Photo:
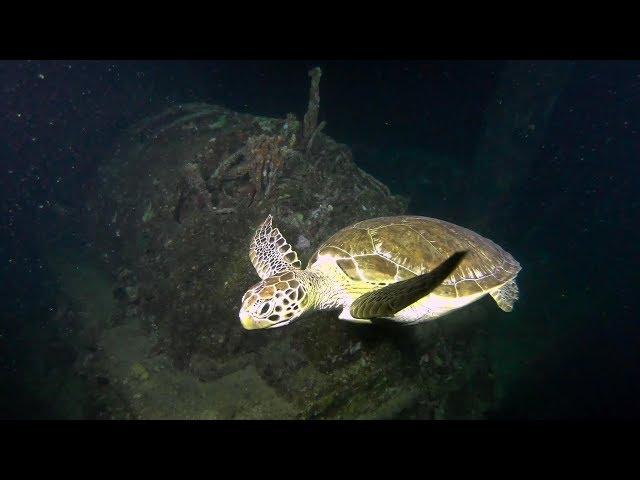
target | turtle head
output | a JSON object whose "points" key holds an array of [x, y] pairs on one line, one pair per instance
{"points": [[274, 302]]}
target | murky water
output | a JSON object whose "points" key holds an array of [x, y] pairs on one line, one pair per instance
{"points": [[131, 192]]}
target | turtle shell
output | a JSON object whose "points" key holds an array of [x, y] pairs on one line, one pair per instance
{"points": [[384, 250]]}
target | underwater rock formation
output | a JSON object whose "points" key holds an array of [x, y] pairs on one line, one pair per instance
{"points": [[177, 207]]}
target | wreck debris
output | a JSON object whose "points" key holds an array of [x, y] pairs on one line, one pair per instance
{"points": [[374, 182], [266, 157], [313, 137], [155, 126], [194, 180], [311, 117], [253, 169], [260, 161], [291, 128], [223, 211], [219, 174], [192, 186]]}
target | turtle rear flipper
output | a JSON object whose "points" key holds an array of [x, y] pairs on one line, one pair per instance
{"points": [[506, 295], [389, 300]]}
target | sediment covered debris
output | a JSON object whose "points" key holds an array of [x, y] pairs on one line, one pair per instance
{"points": [[178, 204]]}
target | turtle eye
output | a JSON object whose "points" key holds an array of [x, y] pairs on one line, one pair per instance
{"points": [[264, 309]]}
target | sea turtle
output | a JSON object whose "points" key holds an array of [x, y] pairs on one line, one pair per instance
{"points": [[408, 269]]}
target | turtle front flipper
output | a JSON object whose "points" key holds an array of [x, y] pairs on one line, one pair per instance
{"points": [[270, 253], [389, 300]]}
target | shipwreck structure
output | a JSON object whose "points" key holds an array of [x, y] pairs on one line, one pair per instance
{"points": [[177, 206]]}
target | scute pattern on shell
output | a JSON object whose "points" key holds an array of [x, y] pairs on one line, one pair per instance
{"points": [[388, 249], [268, 260]]}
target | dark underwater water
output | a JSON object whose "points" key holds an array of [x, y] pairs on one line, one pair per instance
{"points": [[542, 157]]}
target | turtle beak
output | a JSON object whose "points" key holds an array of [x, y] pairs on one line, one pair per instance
{"points": [[247, 322], [279, 324]]}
